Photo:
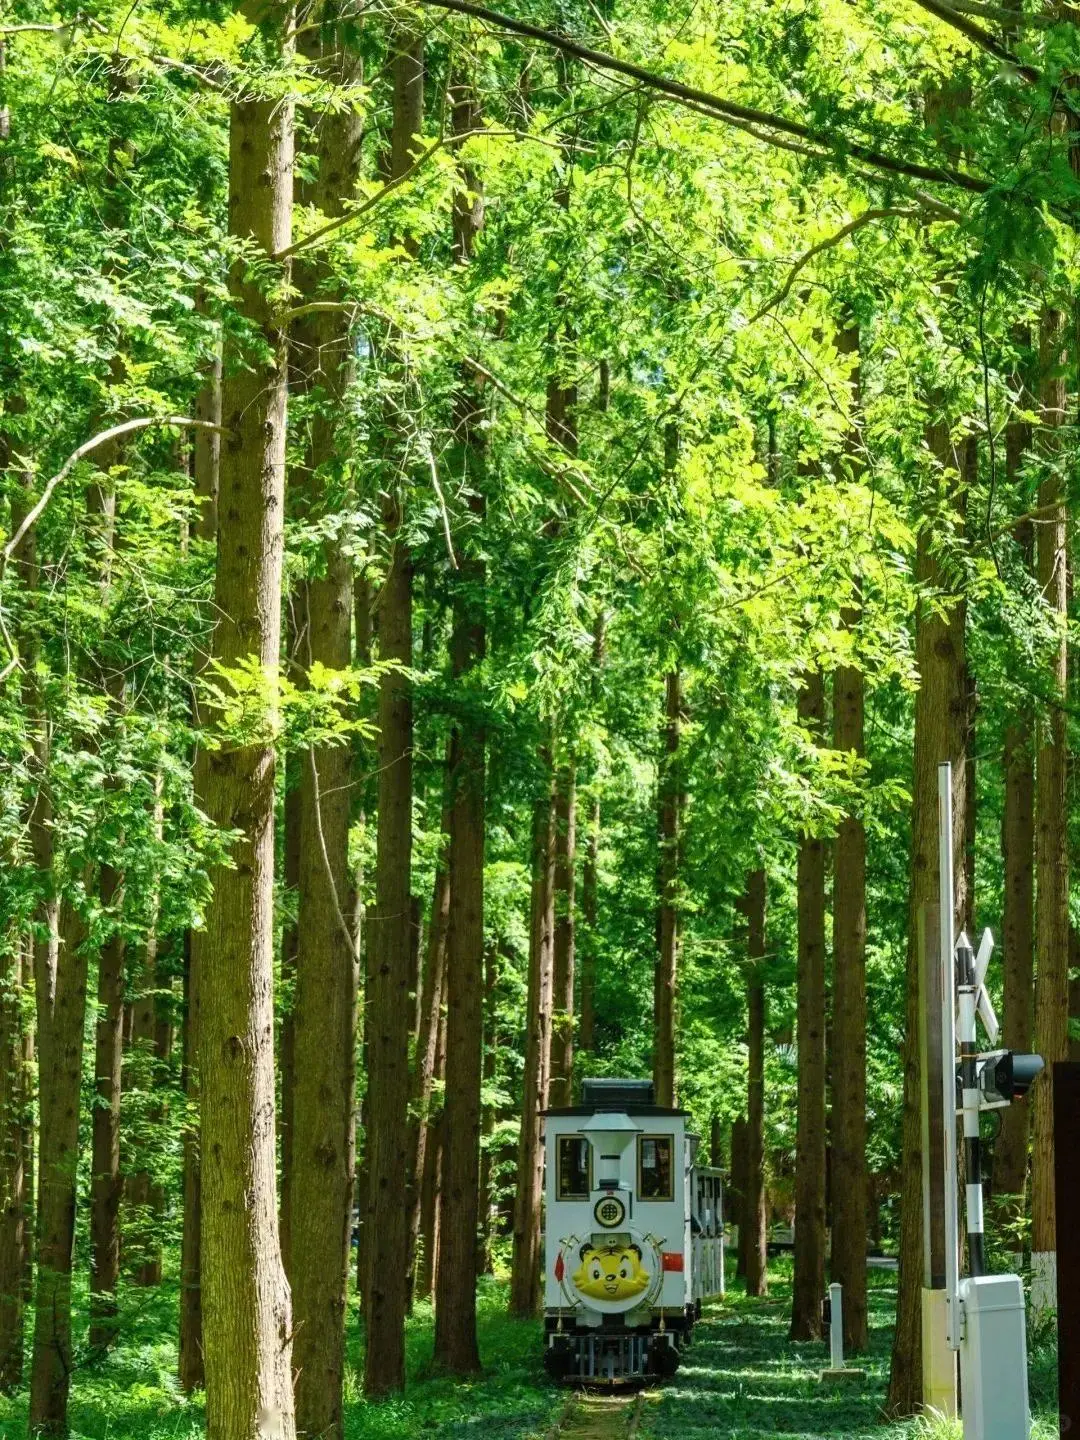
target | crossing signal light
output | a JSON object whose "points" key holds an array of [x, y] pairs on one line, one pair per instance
{"points": [[1005, 1076]]}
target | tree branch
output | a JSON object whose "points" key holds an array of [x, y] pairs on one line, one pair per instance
{"points": [[990, 43], [728, 110], [827, 244], [444, 142], [126, 427]]}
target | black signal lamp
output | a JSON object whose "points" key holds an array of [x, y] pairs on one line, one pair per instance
{"points": [[1005, 1076]]}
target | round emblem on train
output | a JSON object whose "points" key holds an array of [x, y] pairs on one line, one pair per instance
{"points": [[610, 1212]]}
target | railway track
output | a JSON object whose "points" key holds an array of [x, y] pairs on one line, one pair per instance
{"points": [[601, 1417]]}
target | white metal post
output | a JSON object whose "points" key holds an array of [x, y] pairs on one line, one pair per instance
{"points": [[836, 1326], [948, 1051]]}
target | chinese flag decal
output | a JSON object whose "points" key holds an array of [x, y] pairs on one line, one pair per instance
{"points": [[560, 1268], [672, 1260]]}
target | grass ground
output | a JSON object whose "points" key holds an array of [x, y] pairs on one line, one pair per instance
{"points": [[741, 1380]]}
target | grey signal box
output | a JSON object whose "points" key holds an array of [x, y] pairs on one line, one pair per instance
{"points": [[993, 1358]]}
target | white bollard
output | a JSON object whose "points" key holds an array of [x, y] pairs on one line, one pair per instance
{"points": [[838, 1372], [836, 1326]]}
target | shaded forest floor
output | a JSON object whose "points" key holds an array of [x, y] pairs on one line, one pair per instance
{"points": [[740, 1380]]}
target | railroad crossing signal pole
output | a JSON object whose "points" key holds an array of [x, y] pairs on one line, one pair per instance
{"points": [[983, 1314]]}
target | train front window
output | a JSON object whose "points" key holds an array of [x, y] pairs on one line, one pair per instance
{"points": [[573, 1167], [655, 1176]]}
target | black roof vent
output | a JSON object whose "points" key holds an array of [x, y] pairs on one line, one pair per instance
{"points": [[609, 1094]]}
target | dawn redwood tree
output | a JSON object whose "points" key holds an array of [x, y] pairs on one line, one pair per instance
{"points": [[456, 1344], [432, 996], [849, 1190], [59, 977], [528, 1194], [752, 1232], [561, 427], [290, 939], [388, 1012], [322, 1122], [427, 1260], [941, 727], [809, 1276], [1010, 1165], [61, 994], [106, 1181], [13, 1236], [1018, 954], [562, 1018], [149, 1051], [669, 804], [247, 1320], [206, 459], [736, 1190], [485, 1260], [14, 1191], [590, 880], [1051, 811], [847, 1261]]}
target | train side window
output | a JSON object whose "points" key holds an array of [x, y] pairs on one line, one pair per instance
{"points": [[573, 1168], [655, 1171]]}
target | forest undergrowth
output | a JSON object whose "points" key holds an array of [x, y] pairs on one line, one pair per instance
{"points": [[741, 1379]]}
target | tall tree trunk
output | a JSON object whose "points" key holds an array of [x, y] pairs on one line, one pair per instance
{"points": [[322, 1122], [148, 1057], [190, 1368], [562, 1018], [847, 1047], [809, 1281], [589, 876], [59, 978], [247, 1321], [485, 1260], [1010, 1161], [61, 1001], [665, 989], [736, 1193], [456, 1343], [290, 942], [106, 1182], [1051, 811], [427, 1265], [14, 1067], [1018, 937], [60, 973], [387, 1007], [13, 1234], [941, 722], [432, 995], [29, 1148], [752, 1232], [525, 1258], [849, 1199]]}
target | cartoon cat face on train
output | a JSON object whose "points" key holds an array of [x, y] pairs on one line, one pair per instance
{"points": [[611, 1272]]}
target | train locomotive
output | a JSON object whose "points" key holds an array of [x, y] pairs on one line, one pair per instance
{"points": [[634, 1238]]}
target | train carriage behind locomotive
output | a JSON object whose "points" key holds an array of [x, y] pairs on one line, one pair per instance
{"points": [[634, 1235]]}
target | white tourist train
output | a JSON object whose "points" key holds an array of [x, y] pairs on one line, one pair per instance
{"points": [[634, 1236]]}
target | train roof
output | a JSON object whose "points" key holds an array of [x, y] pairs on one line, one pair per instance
{"points": [[607, 1094], [608, 1107]]}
